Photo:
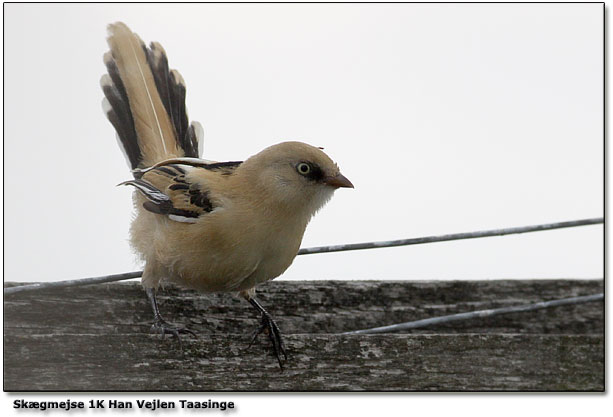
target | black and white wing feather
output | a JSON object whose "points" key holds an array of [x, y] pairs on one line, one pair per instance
{"points": [[169, 192]]}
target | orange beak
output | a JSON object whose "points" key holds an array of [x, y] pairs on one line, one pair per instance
{"points": [[339, 181]]}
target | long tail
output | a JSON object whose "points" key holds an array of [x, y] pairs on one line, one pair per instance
{"points": [[145, 101]]}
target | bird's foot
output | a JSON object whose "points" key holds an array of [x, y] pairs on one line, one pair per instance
{"points": [[269, 327], [161, 327]]}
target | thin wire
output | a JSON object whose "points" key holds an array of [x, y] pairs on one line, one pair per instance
{"points": [[72, 282], [456, 236], [331, 248], [419, 324]]}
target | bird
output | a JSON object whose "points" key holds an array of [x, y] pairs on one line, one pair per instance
{"points": [[201, 224]]}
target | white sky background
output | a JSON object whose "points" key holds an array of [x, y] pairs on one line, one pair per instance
{"points": [[447, 118]]}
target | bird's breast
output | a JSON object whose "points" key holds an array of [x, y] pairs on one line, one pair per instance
{"points": [[235, 253]]}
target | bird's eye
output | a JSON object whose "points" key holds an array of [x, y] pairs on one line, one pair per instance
{"points": [[303, 168]]}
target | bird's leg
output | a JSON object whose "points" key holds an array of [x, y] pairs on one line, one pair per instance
{"points": [[160, 325], [268, 326]]}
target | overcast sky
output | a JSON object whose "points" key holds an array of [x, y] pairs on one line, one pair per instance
{"points": [[447, 118]]}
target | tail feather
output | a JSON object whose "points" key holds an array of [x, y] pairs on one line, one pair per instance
{"points": [[145, 101], [170, 88], [194, 141]]}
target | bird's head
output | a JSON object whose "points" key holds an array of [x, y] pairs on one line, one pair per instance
{"points": [[297, 175]]}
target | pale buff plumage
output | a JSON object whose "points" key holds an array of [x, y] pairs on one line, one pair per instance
{"points": [[205, 225], [254, 234]]}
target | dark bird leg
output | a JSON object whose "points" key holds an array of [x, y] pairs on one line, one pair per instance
{"points": [[269, 327], [160, 325]]}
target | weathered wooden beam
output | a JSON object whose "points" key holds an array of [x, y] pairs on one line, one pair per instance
{"points": [[317, 362], [95, 338]]}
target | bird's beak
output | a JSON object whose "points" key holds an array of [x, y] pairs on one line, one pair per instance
{"points": [[338, 181]]}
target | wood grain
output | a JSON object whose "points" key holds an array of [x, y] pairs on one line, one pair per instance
{"points": [[95, 338]]}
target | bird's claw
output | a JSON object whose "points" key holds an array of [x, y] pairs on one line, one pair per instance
{"points": [[163, 328], [269, 327]]}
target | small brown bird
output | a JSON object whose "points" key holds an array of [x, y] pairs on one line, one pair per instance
{"points": [[210, 226]]}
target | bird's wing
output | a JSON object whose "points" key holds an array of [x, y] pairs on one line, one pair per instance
{"points": [[171, 191]]}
